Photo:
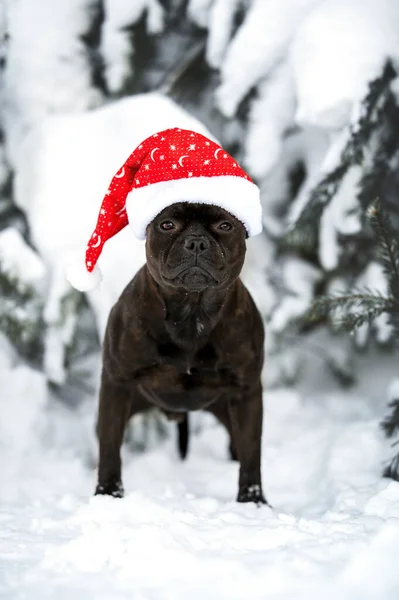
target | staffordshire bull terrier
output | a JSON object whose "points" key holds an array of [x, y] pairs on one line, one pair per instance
{"points": [[185, 333]]}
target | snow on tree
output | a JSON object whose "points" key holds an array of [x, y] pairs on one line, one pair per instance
{"points": [[319, 151], [61, 200], [375, 303], [305, 94], [22, 275], [47, 67], [117, 39], [320, 95], [259, 44]]}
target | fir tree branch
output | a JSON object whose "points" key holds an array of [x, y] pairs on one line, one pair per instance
{"points": [[375, 176], [387, 245], [173, 77], [353, 320], [365, 306], [382, 227], [10, 286], [324, 306], [20, 310], [390, 425], [353, 153]]}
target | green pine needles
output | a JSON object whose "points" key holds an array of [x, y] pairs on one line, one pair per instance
{"points": [[20, 310], [379, 112], [364, 306], [349, 311]]}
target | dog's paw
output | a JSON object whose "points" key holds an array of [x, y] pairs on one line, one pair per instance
{"points": [[251, 493], [114, 489]]}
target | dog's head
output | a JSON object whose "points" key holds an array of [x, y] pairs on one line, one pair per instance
{"points": [[195, 246]]}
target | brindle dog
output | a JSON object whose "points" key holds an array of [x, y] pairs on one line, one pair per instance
{"points": [[186, 335]]}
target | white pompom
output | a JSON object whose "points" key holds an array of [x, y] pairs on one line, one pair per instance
{"points": [[81, 279]]}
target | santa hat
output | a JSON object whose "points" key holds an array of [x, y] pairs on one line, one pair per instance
{"points": [[175, 165]]}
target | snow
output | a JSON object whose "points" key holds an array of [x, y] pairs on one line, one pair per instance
{"points": [[271, 114], [198, 11], [332, 532], [300, 279], [220, 29], [117, 45], [373, 277], [64, 167], [341, 217], [89, 149], [47, 67], [259, 44], [326, 50], [333, 529], [316, 37], [18, 260], [308, 64]]}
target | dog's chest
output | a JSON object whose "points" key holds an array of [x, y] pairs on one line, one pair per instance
{"points": [[188, 360], [187, 331], [187, 390]]}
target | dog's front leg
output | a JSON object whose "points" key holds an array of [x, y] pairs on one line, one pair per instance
{"points": [[114, 412], [246, 423]]}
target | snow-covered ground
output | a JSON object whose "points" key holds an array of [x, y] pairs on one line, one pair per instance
{"points": [[333, 530]]}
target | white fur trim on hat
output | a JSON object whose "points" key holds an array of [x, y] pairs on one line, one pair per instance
{"points": [[239, 196], [82, 279]]}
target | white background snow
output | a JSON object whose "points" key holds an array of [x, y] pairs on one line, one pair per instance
{"points": [[333, 529]]}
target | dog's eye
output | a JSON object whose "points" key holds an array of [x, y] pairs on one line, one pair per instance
{"points": [[167, 225], [226, 226]]}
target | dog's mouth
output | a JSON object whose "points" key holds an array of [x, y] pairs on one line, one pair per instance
{"points": [[197, 277], [194, 278]]}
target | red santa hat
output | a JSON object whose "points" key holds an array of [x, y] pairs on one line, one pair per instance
{"points": [[175, 165]]}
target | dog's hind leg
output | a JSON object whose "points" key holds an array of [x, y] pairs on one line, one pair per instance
{"points": [[183, 435], [183, 430]]}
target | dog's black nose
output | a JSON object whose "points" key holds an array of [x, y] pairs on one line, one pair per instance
{"points": [[196, 244]]}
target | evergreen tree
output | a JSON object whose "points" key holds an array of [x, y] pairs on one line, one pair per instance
{"points": [[318, 157], [371, 150], [21, 295], [364, 306]]}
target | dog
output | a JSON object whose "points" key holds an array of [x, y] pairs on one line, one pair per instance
{"points": [[185, 335]]}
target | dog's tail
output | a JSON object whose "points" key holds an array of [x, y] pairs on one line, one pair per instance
{"points": [[183, 434]]}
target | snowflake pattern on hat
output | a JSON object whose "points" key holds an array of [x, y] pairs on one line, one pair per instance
{"points": [[175, 165]]}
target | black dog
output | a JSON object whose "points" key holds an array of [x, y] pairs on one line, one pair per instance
{"points": [[186, 335]]}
